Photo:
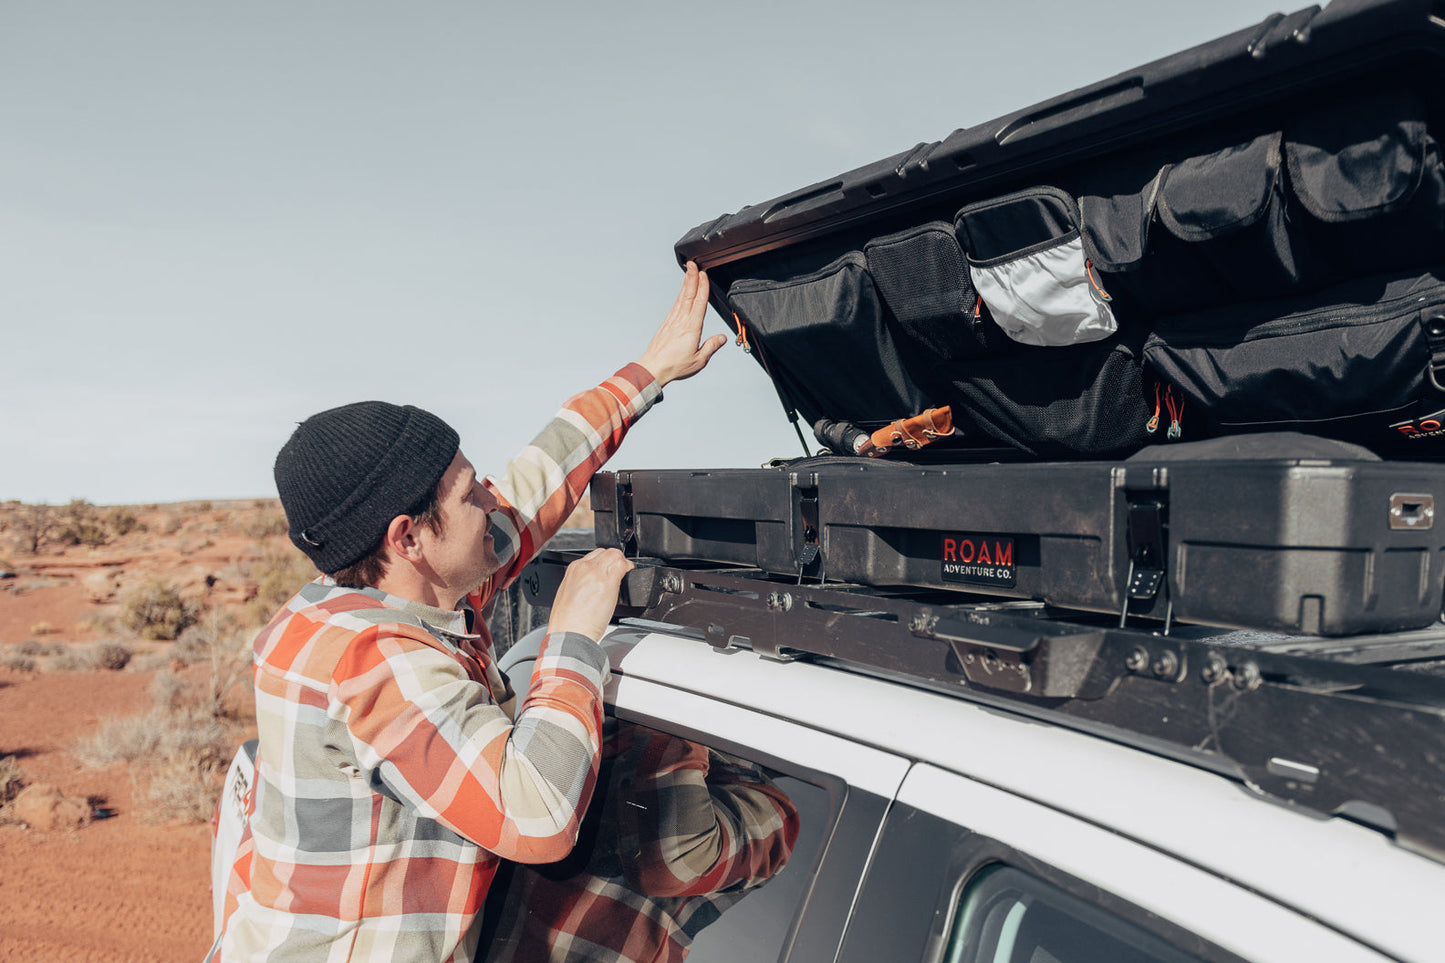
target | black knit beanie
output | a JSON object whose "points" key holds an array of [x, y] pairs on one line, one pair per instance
{"points": [[347, 472]]}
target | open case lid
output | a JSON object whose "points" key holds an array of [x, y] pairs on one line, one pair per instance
{"points": [[863, 354], [1259, 67]]}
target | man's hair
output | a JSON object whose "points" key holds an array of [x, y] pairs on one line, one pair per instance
{"points": [[371, 568]]}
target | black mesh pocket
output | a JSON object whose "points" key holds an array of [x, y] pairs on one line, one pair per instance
{"points": [[1077, 401], [922, 276], [822, 338]]}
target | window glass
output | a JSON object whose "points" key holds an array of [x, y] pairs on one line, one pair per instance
{"points": [[687, 852], [1006, 916]]}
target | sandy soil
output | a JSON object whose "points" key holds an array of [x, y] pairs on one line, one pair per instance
{"points": [[123, 887]]}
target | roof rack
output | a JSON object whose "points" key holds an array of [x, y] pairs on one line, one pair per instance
{"points": [[1350, 727]]}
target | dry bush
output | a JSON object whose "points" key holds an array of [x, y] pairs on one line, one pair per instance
{"points": [[265, 525], [17, 661], [94, 657], [81, 524], [41, 628], [77, 658], [279, 573], [123, 521], [156, 610], [183, 790], [36, 647], [12, 780], [222, 646], [177, 756], [160, 734], [113, 656], [31, 525]]}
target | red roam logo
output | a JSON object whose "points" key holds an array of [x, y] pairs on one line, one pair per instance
{"points": [[978, 559], [1430, 426]]}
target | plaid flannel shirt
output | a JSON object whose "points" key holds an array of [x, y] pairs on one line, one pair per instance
{"points": [[389, 780], [684, 834]]}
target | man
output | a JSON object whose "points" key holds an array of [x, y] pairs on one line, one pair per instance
{"points": [[391, 777]]}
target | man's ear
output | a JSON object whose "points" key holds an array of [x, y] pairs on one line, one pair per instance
{"points": [[401, 539]]}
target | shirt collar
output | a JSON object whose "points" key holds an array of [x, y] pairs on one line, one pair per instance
{"points": [[449, 625]]}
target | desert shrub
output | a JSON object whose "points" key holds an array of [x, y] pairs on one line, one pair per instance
{"points": [[156, 610], [170, 691], [265, 525], [219, 644], [12, 780], [279, 572], [177, 755], [17, 661], [41, 628], [77, 658], [150, 661], [32, 526], [183, 789], [34, 647], [123, 521], [82, 524], [113, 656]]}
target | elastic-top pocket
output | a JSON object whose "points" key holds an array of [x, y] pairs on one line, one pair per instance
{"points": [[822, 338], [1026, 257], [1080, 401], [1226, 211], [923, 278], [1368, 179], [1344, 362]]}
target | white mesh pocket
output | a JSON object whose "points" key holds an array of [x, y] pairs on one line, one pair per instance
{"points": [[1026, 259]]}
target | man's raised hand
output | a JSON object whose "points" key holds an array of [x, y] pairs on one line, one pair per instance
{"points": [[677, 350]]}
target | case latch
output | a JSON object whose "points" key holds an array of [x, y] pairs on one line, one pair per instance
{"points": [[1146, 540]]}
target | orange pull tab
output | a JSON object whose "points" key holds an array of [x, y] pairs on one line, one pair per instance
{"points": [[742, 340], [1089, 270]]}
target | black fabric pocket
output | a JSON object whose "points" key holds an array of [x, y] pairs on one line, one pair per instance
{"points": [[1369, 185], [823, 339], [922, 276], [1345, 362], [1224, 215], [1349, 190], [1026, 258], [1080, 401]]}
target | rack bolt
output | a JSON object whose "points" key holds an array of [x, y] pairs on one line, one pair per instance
{"points": [[1137, 660], [1167, 665], [1247, 677], [672, 583], [1214, 669]]}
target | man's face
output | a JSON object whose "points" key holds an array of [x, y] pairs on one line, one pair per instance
{"points": [[462, 555]]}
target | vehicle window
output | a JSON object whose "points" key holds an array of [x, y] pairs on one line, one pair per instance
{"points": [[686, 852], [1007, 916]]}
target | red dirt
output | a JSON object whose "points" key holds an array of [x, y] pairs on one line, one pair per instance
{"points": [[121, 888], [118, 889]]}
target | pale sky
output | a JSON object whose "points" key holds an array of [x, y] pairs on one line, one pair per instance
{"points": [[219, 218]]}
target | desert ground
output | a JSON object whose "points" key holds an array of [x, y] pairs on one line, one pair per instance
{"points": [[124, 689]]}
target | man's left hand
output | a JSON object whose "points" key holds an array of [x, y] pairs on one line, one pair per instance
{"points": [[676, 350]]}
